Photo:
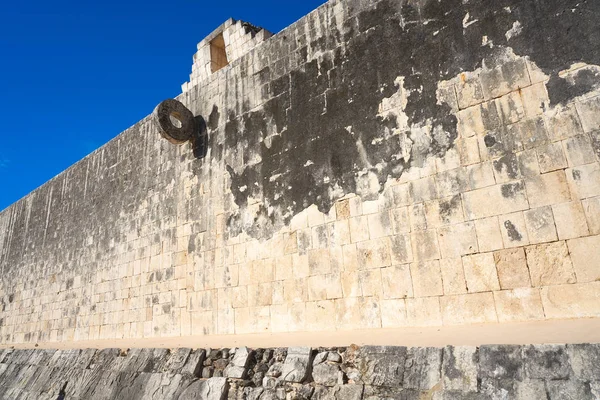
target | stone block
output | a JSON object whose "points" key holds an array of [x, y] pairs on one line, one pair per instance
{"points": [[297, 364], [572, 301], [563, 123], [374, 253], [511, 266], [453, 277], [468, 149], [427, 279], [472, 308], [501, 362], [513, 229], [425, 245], [505, 78], [381, 365], [460, 368], [357, 313], [444, 211], [209, 389], [540, 225], [550, 264], [591, 208], [584, 180], [589, 113], [457, 240], [510, 107], [359, 229], [423, 189], [585, 361], [559, 390], [418, 217], [507, 198], [401, 249], [422, 368], [324, 372], [480, 273], [528, 163], [570, 220], [522, 304], [424, 311], [585, 255], [469, 90], [393, 313], [397, 282], [370, 282], [548, 189], [535, 99], [546, 361], [551, 157], [489, 237], [452, 182], [400, 220], [506, 168], [579, 150], [380, 224]]}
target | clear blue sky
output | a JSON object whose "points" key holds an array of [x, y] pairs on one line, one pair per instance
{"points": [[74, 74]]}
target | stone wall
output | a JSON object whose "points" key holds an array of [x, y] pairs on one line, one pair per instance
{"points": [[553, 372], [377, 164]]}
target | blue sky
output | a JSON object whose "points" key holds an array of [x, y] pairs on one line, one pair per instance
{"points": [[74, 74]]}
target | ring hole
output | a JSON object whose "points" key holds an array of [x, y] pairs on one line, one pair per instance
{"points": [[175, 118]]}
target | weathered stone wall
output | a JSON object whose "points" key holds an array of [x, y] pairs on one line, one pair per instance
{"points": [[552, 372], [376, 164]]}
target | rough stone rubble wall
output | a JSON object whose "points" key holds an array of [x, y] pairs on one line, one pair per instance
{"points": [[553, 372], [375, 165]]}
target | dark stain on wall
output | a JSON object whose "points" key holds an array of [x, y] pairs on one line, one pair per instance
{"points": [[313, 152]]}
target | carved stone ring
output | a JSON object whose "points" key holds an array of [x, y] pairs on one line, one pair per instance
{"points": [[175, 122]]}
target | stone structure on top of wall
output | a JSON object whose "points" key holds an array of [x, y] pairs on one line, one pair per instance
{"points": [[377, 164]]}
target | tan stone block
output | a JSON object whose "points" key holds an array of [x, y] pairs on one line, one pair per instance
{"points": [[551, 157], [584, 180], [290, 243], [506, 198], [427, 278], [396, 282], [401, 194], [350, 284], [563, 123], [450, 160], [260, 294], [535, 99], [579, 150], [572, 301], [423, 189], [319, 237], [523, 304], [585, 255], [339, 232], [284, 268], [393, 313], [315, 217], [350, 254], [374, 253], [547, 189], [589, 113], [468, 149], [359, 229], [357, 313], [370, 282], [300, 265], [511, 266], [570, 220], [469, 90], [472, 308], [540, 225], [470, 122], [342, 209], [239, 297], [511, 107], [418, 217], [336, 259], [457, 240], [318, 262], [425, 245], [549, 264], [401, 249], [423, 311], [489, 237], [480, 273], [295, 290], [321, 315], [380, 224], [400, 220], [444, 211], [514, 231], [591, 208], [453, 276]]}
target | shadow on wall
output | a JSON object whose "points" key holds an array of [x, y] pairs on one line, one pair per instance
{"points": [[200, 139]]}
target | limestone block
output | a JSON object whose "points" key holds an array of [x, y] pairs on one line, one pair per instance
{"points": [[501, 362], [370, 282], [472, 308], [318, 262], [550, 264], [380, 225], [418, 217], [480, 273], [584, 180], [209, 389], [511, 107], [572, 301], [425, 245], [470, 122], [374, 253], [350, 284], [423, 189], [357, 313], [422, 368], [444, 211], [585, 361], [540, 225], [427, 279], [452, 182], [532, 132], [393, 313], [400, 220], [522, 304], [585, 255], [424, 311], [359, 229], [546, 361], [579, 150], [459, 368], [505, 78], [591, 208], [468, 149], [547, 189], [457, 240], [589, 113], [401, 249], [507, 198], [570, 389], [511, 266], [238, 364], [564, 123], [469, 90], [489, 237], [528, 163], [506, 168], [380, 365], [535, 99], [551, 157], [570, 220], [396, 282], [453, 277], [514, 231]]}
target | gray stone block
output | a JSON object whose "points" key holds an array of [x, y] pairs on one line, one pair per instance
{"points": [[209, 389], [585, 361], [569, 390], [546, 361], [297, 364], [237, 368], [194, 363], [381, 365], [500, 361], [422, 368], [459, 368]]}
